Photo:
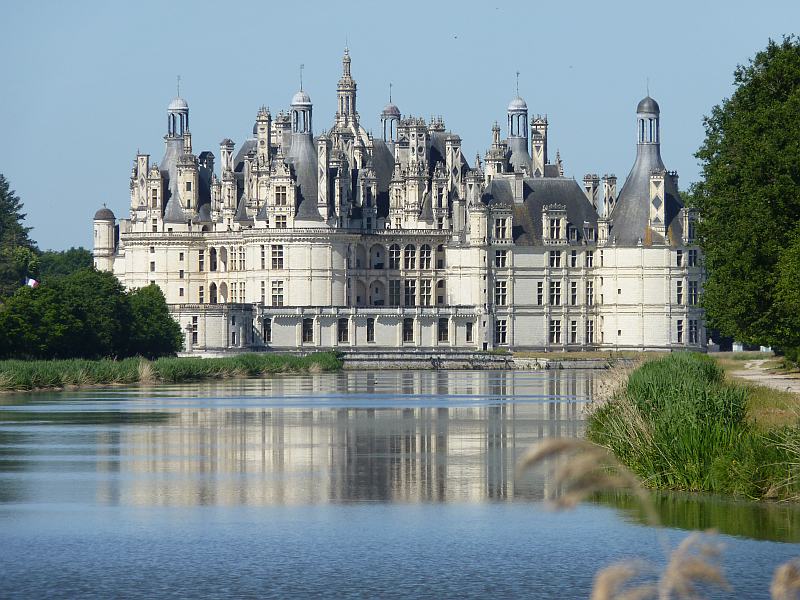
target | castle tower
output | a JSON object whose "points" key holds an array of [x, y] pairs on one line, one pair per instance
{"points": [[104, 239], [346, 95], [518, 135], [390, 119]]}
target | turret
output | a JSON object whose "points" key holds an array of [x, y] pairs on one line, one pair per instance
{"points": [[346, 95], [538, 146], [263, 135], [390, 119], [518, 135], [104, 239]]}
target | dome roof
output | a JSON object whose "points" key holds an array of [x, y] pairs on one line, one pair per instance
{"points": [[517, 104], [104, 214], [301, 98], [391, 110], [648, 105], [178, 103]]}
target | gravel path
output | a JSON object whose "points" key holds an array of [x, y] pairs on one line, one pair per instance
{"points": [[754, 371]]}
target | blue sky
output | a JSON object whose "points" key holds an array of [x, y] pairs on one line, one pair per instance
{"points": [[86, 84]]}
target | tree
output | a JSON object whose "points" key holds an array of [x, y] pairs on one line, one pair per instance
{"points": [[17, 250], [153, 332], [749, 200], [54, 263]]}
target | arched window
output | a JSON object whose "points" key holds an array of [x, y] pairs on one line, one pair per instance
{"points": [[425, 257], [410, 257], [440, 257], [212, 293], [394, 256], [213, 262]]}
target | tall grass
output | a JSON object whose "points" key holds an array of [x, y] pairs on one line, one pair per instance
{"points": [[678, 424], [36, 374]]}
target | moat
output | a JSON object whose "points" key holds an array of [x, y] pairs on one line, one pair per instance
{"points": [[353, 484]]}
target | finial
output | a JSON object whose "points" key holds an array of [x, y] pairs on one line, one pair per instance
{"points": [[390, 92], [517, 83], [648, 86], [302, 66], [179, 86]]}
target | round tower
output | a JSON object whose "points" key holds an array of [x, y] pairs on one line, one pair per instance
{"points": [[648, 115], [177, 117], [301, 112], [104, 239], [390, 119]]}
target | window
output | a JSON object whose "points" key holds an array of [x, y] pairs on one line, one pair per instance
{"points": [[234, 297], [394, 256], [692, 258], [691, 232], [201, 295], [555, 293], [242, 297], [590, 234], [194, 331], [188, 186], [425, 257], [410, 257], [201, 260], [212, 259], [680, 331], [500, 229], [589, 259], [601, 258], [555, 331], [572, 233], [692, 293], [180, 292], [440, 256], [308, 331], [180, 256], [555, 229], [500, 331], [152, 249], [154, 197], [470, 325], [241, 259], [693, 337], [539, 292], [394, 292], [277, 293], [280, 222], [573, 332], [263, 293], [573, 258], [152, 266], [679, 294], [410, 289], [155, 225], [370, 329], [678, 258], [573, 293], [555, 258], [501, 258], [425, 292], [500, 292], [267, 331], [590, 332], [277, 256], [589, 293], [408, 330], [280, 195], [342, 330], [180, 274], [443, 330]]}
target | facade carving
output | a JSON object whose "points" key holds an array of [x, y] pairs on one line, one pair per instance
{"points": [[342, 239]]}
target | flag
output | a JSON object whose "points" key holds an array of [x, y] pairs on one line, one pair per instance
{"points": [[32, 283]]}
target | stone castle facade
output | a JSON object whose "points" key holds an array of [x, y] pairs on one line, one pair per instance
{"points": [[345, 240]]}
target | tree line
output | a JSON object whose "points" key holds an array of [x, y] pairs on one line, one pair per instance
{"points": [[74, 311]]}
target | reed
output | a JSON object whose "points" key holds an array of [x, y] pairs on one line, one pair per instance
{"points": [[20, 375]]}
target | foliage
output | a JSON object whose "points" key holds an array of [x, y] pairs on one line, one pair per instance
{"points": [[55, 263], [679, 425], [153, 332], [33, 374], [86, 315], [17, 250], [749, 201]]}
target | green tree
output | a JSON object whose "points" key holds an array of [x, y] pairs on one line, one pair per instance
{"points": [[17, 250], [749, 198], [153, 332], [54, 263]]}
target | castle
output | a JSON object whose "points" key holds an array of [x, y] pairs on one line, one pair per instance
{"points": [[345, 240]]}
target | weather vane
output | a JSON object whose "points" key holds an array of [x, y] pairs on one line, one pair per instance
{"points": [[517, 83], [179, 85], [390, 92], [302, 66]]}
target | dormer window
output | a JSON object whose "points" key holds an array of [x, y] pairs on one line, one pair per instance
{"points": [[500, 229], [280, 195], [555, 229]]}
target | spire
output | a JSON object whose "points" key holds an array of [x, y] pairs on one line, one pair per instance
{"points": [[302, 66], [346, 62]]}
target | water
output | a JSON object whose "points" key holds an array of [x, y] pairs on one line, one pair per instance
{"points": [[360, 485]]}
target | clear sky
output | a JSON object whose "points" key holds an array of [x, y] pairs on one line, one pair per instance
{"points": [[86, 84]]}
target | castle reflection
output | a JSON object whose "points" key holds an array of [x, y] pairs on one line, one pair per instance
{"points": [[422, 436]]}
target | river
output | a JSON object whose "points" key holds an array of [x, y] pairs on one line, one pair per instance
{"points": [[391, 484]]}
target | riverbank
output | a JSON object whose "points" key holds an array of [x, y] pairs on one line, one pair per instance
{"points": [[679, 423], [25, 375]]}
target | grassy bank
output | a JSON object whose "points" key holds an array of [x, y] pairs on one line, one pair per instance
{"points": [[679, 424], [38, 374]]}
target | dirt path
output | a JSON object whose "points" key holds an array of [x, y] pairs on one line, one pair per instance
{"points": [[754, 371]]}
